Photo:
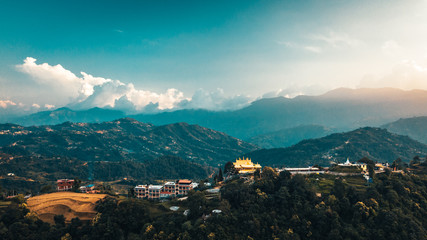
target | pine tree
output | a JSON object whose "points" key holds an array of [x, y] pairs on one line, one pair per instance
{"points": [[220, 177]]}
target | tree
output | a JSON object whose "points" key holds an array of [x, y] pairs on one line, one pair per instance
{"points": [[131, 192], [220, 177], [59, 220], [414, 161], [229, 168], [398, 164], [76, 185], [338, 189], [47, 189]]}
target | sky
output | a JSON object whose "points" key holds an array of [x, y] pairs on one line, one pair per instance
{"points": [[146, 56]]}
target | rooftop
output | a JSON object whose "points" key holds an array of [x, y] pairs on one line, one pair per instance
{"points": [[155, 187], [185, 181], [64, 180]]}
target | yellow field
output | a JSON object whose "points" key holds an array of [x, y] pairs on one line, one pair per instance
{"points": [[69, 204]]}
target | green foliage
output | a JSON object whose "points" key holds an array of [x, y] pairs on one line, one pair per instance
{"points": [[374, 143], [47, 171], [276, 206], [122, 140]]}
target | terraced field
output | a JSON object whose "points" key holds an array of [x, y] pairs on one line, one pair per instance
{"points": [[69, 204]]}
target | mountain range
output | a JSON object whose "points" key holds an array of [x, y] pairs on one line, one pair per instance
{"points": [[375, 143], [122, 140], [340, 109]]}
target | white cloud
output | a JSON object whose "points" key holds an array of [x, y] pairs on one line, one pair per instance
{"points": [[215, 100], [337, 40], [49, 106], [309, 48], [406, 75], [89, 91], [313, 49], [62, 81], [6, 103]]}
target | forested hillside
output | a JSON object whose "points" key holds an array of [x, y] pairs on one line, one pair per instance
{"points": [[275, 206], [122, 140], [32, 173], [374, 143]]}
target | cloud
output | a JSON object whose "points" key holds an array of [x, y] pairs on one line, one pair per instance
{"points": [[296, 90], [215, 100], [62, 81], [88, 91], [11, 108], [313, 49], [337, 40], [406, 75], [49, 106], [309, 48], [6, 103]]}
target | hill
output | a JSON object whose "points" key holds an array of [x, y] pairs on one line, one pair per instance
{"points": [[272, 206], [121, 140], [413, 127], [374, 143], [32, 173], [289, 136], [69, 204]]}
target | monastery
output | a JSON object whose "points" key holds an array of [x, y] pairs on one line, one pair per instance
{"points": [[245, 165]]}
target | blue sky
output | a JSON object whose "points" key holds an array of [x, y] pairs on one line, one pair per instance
{"points": [[203, 54]]}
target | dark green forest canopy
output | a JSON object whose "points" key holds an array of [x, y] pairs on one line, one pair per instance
{"points": [[275, 206]]}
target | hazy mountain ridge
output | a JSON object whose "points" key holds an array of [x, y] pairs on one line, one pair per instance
{"points": [[341, 108], [65, 114], [415, 128], [290, 136], [121, 140], [374, 143]]}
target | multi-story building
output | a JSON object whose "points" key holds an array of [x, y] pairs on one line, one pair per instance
{"points": [[141, 191], [168, 190], [183, 186], [64, 184], [170, 187], [154, 191]]}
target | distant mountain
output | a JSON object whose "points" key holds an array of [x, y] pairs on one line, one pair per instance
{"points": [[122, 140], [290, 136], [415, 128], [61, 115], [341, 108], [375, 143]]}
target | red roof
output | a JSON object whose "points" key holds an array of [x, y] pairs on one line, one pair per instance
{"points": [[185, 181], [65, 180]]}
